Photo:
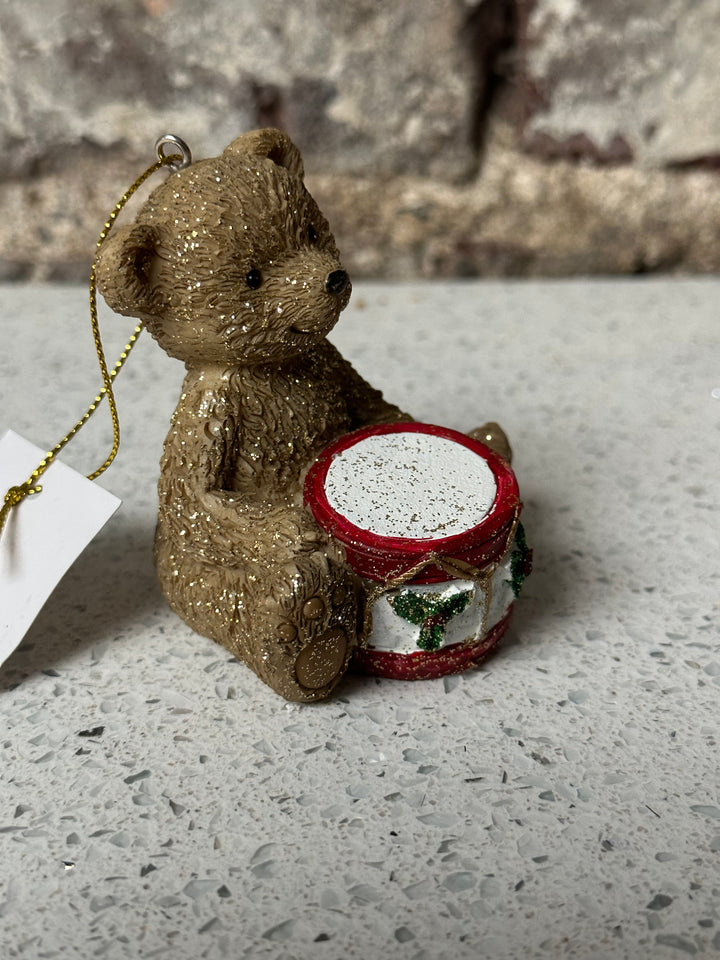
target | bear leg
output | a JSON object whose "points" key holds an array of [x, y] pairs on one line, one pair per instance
{"points": [[296, 625]]}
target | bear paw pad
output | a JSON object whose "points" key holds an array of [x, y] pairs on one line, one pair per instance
{"points": [[322, 659]]}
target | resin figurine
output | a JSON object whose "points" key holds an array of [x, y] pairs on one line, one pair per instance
{"points": [[234, 270]]}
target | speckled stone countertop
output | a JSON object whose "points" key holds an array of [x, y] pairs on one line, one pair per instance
{"points": [[562, 801]]}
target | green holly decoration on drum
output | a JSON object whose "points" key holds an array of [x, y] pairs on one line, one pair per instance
{"points": [[431, 612]]}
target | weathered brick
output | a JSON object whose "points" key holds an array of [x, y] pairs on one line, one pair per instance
{"points": [[621, 80]]}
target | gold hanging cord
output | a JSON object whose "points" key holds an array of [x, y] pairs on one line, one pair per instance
{"points": [[16, 494]]}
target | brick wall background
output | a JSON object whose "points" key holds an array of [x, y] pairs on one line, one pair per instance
{"points": [[441, 137]]}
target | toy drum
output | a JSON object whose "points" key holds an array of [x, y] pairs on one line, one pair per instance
{"points": [[428, 517]]}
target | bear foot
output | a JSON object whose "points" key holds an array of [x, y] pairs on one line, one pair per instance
{"points": [[493, 436], [308, 652]]}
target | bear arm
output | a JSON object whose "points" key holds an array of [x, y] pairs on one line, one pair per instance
{"points": [[241, 523], [222, 524], [236, 527], [365, 404]]}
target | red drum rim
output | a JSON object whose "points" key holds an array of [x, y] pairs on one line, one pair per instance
{"points": [[383, 558]]}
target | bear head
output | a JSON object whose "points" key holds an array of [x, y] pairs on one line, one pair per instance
{"points": [[229, 260]]}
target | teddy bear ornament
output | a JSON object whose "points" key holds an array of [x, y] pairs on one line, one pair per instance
{"points": [[292, 529]]}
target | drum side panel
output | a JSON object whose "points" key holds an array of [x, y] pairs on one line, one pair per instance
{"points": [[428, 666]]}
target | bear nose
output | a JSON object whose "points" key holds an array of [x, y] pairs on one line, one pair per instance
{"points": [[337, 282]]}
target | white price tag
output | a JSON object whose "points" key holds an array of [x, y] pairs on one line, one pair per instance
{"points": [[43, 535]]}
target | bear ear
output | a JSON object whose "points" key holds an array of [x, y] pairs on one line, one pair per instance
{"points": [[124, 268], [270, 143]]}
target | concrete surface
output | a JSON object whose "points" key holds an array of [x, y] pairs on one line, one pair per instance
{"points": [[562, 801]]}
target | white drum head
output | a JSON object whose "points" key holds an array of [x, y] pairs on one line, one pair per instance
{"points": [[416, 486]]}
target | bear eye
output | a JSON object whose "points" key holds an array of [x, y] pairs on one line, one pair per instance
{"points": [[311, 234], [253, 279]]}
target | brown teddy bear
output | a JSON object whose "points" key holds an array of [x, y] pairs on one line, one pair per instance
{"points": [[233, 269]]}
